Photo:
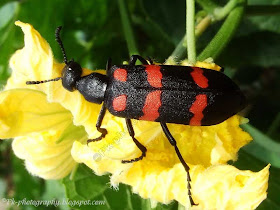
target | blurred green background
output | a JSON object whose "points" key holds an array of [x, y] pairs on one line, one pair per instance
{"points": [[93, 31]]}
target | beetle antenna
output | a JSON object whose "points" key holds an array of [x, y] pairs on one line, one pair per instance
{"points": [[59, 41], [43, 81]]}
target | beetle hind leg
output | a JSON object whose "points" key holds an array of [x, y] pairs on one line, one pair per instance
{"points": [[151, 62], [187, 168], [103, 131], [134, 58], [138, 144]]}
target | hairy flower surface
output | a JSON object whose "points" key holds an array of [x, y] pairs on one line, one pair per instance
{"points": [[50, 127]]}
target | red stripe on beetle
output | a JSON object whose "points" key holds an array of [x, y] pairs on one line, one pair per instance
{"points": [[199, 78], [197, 108], [119, 103], [151, 106], [120, 74], [154, 76]]}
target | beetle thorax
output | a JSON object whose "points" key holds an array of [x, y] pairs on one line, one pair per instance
{"points": [[93, 87]]}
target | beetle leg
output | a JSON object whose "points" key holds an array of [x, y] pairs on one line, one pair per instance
{"points": [[150, 60], [138, 144], [103, 131], [187, 168], [108, 65], [134, 58]]}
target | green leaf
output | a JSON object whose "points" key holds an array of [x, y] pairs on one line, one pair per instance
{"points": [[87, 17], [87, 186], [207, 5], [84, 181], [256, 49], [127, 29], [26, 186], [262, 147], [170, 16], [55, 190], [3, 188], [263, 10], [257, 23], [7, 13]]}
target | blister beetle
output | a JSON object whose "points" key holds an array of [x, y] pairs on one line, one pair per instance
{"points": [[161, 93]]}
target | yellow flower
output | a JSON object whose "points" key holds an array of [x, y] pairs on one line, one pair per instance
{"points": [[50, 127]]}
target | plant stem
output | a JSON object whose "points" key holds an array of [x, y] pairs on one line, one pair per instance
{"points": [[217, 12], [202, 25], [221, 13], [181, 49], [128, 32], [207, 5], [190, 31], [224, 35], [214, 13]]}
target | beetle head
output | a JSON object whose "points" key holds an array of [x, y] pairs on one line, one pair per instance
{"points": [[71, 72]]}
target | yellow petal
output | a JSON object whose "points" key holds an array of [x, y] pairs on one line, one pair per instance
{"points": [[204, 64], [26, 113], [33, 62], [84, 113], [199, 145], [23, 111], [43, 156], [102, 165], [216, 187], [225, 187]]}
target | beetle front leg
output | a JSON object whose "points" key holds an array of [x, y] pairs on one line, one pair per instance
{"points": [[134, 58], [103, 131], [187, 168], [138, 144]]}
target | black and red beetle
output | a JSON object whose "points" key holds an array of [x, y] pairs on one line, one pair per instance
{"points": [[162, 93]]}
